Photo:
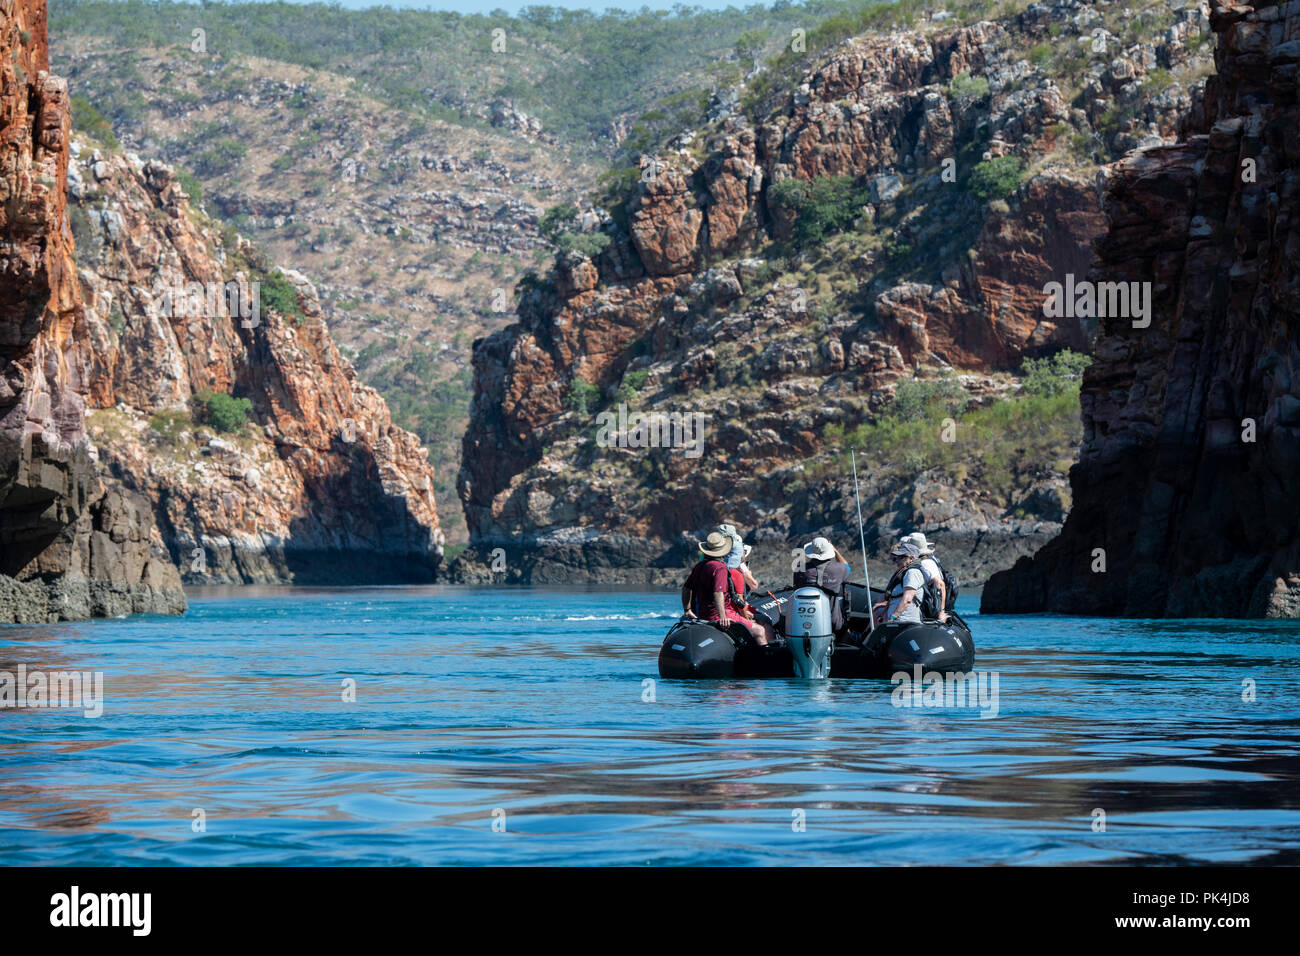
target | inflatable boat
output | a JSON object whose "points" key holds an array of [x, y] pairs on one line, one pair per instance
{"points": [[806, 647]]}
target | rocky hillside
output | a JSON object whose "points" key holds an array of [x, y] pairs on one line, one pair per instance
{"points": [[859, 261], [72, 544], [400, 157], [1185, 493], [319, 486], [415, 228]]}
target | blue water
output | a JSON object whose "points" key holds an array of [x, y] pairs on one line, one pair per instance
{"points": [[528, 708]]}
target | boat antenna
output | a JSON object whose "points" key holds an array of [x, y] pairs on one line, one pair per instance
{"points": [[862, 536]]}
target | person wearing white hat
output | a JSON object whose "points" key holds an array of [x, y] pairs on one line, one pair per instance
{"points": [[825, 568], [930, 568], [904, 587]]}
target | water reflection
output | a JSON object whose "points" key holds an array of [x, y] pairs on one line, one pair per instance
{"points": [[470, 702]]}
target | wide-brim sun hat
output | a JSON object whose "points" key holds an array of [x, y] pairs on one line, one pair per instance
{"points": [[748, 548], [819, 549], [715, 545], [917, 538]]}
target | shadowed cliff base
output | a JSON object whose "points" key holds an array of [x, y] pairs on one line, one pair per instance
{"points": [[1185, 496], [109, 562], [575, 557], [72, 545]]}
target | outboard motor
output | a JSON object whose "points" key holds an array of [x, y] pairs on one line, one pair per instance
{"points": [[809, 633]]}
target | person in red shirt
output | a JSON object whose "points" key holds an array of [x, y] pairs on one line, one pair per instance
{"points": [[714, 593]]}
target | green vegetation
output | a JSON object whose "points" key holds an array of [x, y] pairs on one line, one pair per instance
{"points": [[559, 225], [632, 383], [928, 426], [191, 186], [1055, 375], [555, 219], [434, 410], [582, 396], [88, 120], [278, 293], [169, 423], [830, 25], [915, 399], [221, 158], [821, 207], [966, 89], [575, 69], [995, 178], [749, 47], [421, 401], [223, 412]]}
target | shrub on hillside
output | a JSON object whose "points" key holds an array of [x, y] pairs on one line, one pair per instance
{"points": [[92, 122], [223, 412], [915, 398], [993, 442], [968, 89], [559, 225], [557, 220], [190, 186], [1054, 375], [278, 293], [588, 244], [582, 396], [221, 158], [995, 178], [821, 207], [632, 383]]}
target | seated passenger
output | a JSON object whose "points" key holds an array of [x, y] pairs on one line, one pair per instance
{"points": [[710, 591], [825, 568], [904, 588], [736, 557], [933, 573]]}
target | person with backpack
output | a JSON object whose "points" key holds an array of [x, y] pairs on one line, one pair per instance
{"points": [[903, 593], [710, 591], [825, 568], [939, 598]]}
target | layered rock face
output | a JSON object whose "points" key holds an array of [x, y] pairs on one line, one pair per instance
{"points": [[320, 487], [1189, 475], [71, 545], [682, 300]]}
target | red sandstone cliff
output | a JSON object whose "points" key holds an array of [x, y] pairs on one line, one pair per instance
{"points": [[70, 544], [321, 486], [1189, 477], [685, 297]]}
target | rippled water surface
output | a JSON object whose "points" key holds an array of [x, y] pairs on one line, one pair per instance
{"points": [[528, 708]]}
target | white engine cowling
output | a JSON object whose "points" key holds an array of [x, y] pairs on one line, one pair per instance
{"points": [[809, 632]]}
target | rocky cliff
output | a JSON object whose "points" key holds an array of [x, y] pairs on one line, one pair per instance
{"points": [[71, 544], [320, 486], [709, 301], [413, 230], [1185, 492]]}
